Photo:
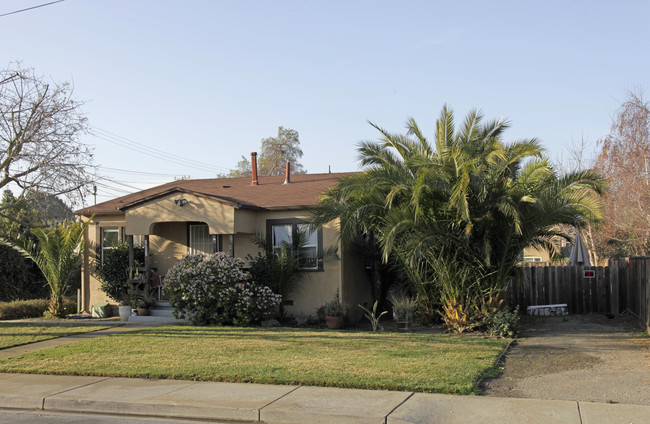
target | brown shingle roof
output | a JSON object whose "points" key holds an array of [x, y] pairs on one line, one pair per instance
{"points": [[272, 194]]}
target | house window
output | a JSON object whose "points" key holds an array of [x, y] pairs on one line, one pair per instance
{"points": [[138, 239], [200, 240], [532, 259], [110, 239], [307, 246]]}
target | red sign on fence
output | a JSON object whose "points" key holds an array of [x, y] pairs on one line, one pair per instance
{"points": [[589, 273]]}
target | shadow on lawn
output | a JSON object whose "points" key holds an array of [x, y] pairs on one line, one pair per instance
{"points": [[292, 335]]}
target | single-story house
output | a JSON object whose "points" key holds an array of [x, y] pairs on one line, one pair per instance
{"points": [[224, 214]]}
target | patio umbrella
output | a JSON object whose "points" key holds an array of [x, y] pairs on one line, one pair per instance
{"points": [[579, 254]]}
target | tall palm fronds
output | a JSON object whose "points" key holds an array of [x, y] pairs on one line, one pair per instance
{"points": [[467, 202], [57, 254]]}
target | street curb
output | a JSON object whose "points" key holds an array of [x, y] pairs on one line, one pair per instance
{"points": [[290, 404]]}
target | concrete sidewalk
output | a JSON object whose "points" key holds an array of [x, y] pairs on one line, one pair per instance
{"points": [[291, 404]]}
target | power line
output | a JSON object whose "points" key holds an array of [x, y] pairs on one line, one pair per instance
{"points": [[123, 184], [149, 153], [152, 151], [157, 183], [128, 171], [30, 8], [119, 191]]}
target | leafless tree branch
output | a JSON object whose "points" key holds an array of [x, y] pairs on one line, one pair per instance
{"points": [[40, 129]]}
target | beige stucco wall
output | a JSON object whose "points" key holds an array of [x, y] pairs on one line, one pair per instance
{"points": [[166, 223], [219, 217], [316, 287], [167, 245], [539, 253], [91, 292], [356, 285]]}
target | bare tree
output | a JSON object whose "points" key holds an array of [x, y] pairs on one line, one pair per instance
{"points": [[624, 160], [579, 159], [40, 126]]}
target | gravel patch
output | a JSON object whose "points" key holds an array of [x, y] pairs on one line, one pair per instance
{"points": [[581, 358]]}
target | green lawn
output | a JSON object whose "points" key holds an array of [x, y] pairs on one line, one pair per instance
{"points": [[393, 361], [15, 334]]}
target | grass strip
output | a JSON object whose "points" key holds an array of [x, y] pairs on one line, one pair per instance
{"points": [[16, 334], [352, 359]]}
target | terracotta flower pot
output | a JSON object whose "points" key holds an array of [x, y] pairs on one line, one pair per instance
{"points": [[333, 322], [404, 325], [143, 312]]}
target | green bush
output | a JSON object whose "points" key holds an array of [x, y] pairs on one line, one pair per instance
{"points": [[33, 308], [216, 290], [503, 323], [278, 270], [114, 271], [20, 277]]}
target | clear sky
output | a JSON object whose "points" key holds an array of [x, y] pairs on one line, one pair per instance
{"points": [[205, 81]]}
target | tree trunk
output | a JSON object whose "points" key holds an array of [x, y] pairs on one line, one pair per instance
{"points": [[56, 306], [376, 281]]}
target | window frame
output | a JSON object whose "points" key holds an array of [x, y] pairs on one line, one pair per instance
{"points": [[295, 222], [103, 247]]}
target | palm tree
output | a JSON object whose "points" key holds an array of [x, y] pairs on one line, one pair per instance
{"points": [[460, 211], [57, 253]]}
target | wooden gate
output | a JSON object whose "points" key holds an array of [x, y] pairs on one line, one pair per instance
{"points": [[621, 286]]}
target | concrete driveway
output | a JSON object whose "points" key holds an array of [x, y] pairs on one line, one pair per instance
{"points": [[581, 358]]}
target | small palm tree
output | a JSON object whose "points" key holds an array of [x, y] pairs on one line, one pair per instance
{"points": [[57, 253]]}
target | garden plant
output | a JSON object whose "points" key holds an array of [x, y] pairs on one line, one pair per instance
{"points": [[216, 290], [114, 271], [455, 213], [57, 254]]}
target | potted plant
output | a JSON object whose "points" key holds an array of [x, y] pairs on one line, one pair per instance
{"points": [[124, 308], [144, 301], [404, 308], [334, 311]]}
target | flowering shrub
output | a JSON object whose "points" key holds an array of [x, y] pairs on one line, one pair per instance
{"points": [[246, 303], [216, 290]]}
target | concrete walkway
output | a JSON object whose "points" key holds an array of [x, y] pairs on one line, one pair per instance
{"points": [[36, 346], [290, 404]]}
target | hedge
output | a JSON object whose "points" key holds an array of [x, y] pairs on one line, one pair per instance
{"points": [[33, 308]]}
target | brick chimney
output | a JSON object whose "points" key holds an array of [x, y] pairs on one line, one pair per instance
{"points": [[287, 179], [254, 168]]}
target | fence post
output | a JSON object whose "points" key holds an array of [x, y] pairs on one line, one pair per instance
{"points": [[646, 290], [570, 289], [600, 293]]}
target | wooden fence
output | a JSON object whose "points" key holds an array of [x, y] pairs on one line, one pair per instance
{"points": [[621, 286]]}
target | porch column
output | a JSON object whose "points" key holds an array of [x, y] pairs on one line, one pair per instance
{"points": [[146, 257], [215, 243], [129, 240], [232, 245], [85, 269]]}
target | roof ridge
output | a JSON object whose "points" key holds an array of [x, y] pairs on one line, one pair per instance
{"points": [[273, 194]]}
